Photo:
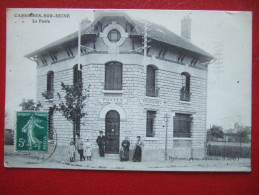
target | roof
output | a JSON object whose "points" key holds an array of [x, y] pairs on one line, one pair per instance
{"points": [[87, 30], [156, 32], [162, 34]]}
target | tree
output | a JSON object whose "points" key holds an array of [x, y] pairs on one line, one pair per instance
{"points": [[30, 105], [215, 132], [242, 131], [71, 105]]}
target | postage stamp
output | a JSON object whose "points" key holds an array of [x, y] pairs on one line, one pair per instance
{"points": [[32, 131]]}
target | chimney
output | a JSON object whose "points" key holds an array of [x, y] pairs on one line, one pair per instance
{"points": [[186, 27]]}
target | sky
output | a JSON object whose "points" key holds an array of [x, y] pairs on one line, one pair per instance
{"points": [[229, 77]]}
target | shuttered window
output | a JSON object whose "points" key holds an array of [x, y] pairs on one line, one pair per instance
{"points": [[113, 76], [50, 85], [182, 125], [150, 123], [77, 77], [50, 130], [185, 90], [77, 126], [151, 82]]}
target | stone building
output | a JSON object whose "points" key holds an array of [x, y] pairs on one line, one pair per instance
{"points": [[144, 80]]}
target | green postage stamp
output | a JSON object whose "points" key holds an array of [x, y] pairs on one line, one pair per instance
{"points": [[32, 131]]}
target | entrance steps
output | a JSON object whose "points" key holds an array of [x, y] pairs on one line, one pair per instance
{"points": [[112, 156]]}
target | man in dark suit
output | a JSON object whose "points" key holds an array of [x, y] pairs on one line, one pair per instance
{"points": [[101, 143]]}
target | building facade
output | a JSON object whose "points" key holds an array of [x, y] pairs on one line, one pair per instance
{"points": [[143, 80]]}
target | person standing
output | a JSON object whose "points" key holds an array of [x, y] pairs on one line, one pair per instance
{"points": [[71, 151], [80, 148], [88, 150], [138, 150], [125, 146], [101, 143]]}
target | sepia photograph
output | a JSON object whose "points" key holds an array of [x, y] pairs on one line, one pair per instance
{"points": [[129, 90]]}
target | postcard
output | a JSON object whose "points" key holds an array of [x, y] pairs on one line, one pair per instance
{"points": [[146, 90]]}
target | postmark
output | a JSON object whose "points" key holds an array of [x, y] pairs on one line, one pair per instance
{"points": [[32, 131]]}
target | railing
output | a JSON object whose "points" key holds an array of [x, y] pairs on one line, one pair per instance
{"points": [[152, 91], [185, 96], [50, 94]]}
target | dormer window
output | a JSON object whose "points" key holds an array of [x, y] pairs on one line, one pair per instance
{"points": [[114, 36]]}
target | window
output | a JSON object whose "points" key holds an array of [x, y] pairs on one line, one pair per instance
{"points": [[77, 74], [77, 125], [77, 78], [114, 36], [50, 85], [182, 125], [150, 123], [185, 94], [151, 89], [50, 130], [113, 76]]}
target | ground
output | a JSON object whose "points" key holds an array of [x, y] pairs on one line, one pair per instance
{"points": [[13, 159]]}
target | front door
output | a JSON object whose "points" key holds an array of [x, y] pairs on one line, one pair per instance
{"points": [[112, 132]]}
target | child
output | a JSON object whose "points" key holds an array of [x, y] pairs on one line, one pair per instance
{"points": [[71, 151], [88, 150]]}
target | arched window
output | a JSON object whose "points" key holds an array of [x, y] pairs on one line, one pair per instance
{"points": [[77, 74], [113, 76], [50, 85], [151, 89], [185, 90]]}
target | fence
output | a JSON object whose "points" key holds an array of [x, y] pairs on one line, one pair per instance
{"points": [[228, 149]]}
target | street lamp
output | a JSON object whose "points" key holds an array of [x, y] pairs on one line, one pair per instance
{"points": [[166, 118]]}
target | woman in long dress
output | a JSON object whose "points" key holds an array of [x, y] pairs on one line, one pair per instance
{"points": [[125, 149], [138, 150]]}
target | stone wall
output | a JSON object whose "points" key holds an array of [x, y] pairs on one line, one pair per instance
{"points": [[134, 103]]}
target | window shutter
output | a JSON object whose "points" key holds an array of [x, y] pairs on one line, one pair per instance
{"points": [[113, 76], [151, 81]]}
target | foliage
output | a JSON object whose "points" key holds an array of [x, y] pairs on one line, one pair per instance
{"points": [[242, 131], [30, 105], [215, 132], [72, 103]]}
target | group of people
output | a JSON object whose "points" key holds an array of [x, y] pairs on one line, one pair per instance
{"points": [[85, 150]]}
